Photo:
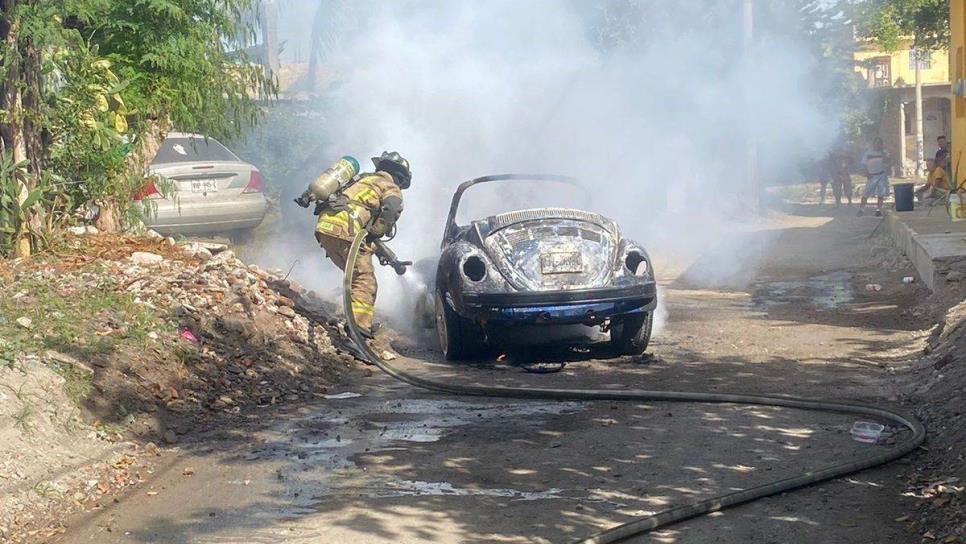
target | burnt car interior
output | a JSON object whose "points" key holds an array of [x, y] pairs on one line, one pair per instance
{"points": [[453, 230]]}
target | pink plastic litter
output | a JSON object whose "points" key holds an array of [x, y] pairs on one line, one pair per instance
{"points": [[188, 335]]}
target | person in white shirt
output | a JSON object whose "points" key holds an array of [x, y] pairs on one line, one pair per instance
{"points": [[877, 163]]}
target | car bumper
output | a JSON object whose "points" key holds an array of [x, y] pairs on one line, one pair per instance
{"points": [[208, 216], [585, 306]]}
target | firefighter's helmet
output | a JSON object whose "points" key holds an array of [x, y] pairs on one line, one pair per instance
{"points": [[394, 163]]}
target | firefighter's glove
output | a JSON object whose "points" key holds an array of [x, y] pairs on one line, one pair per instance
{"points": [[304, 200]]}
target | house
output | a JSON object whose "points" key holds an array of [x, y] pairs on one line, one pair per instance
{"points": [[892, 76], [957, 46]]}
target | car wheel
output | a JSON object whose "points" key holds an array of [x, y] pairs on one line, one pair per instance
{"points": [[459, 338], [632, 334]]}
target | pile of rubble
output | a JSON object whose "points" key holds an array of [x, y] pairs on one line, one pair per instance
{"points": [[243, 335], [196, 336]]}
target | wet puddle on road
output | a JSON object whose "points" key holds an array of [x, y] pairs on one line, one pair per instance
{"points": [[433, 418], [328, 444], [827, 291], [410, 488], [343, 429], [411, 420]]}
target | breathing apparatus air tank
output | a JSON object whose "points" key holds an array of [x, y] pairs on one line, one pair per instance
{"points": [[330, 181]]}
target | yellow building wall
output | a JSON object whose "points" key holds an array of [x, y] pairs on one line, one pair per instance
{"points": [[957, 29], [938, 72]]}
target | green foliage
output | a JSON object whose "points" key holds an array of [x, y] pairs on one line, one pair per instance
{"points": [[89, 128], [9, 350], [15, 200], [69, 321], [890, 23], [111, 73], [176, 57]]}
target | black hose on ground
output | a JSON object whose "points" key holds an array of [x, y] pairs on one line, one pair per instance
{"points": [[671, 515]]}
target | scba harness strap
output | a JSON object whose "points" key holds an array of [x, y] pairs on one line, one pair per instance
{"points": [[348, 209]]}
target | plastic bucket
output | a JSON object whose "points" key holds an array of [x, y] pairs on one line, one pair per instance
{"points": [[904, 197]]}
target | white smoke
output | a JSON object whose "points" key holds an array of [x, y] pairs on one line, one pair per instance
{"points": [[651, 104]]}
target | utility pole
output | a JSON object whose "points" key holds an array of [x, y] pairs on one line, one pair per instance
{"points": [[751, 165], [919, 140], [902, 139]]}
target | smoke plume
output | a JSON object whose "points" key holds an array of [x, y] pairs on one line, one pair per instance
{"points": [[651, 104]]}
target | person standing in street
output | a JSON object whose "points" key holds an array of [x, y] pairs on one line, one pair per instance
{"points": [[876, 162], [838, 166], [824, 176]]}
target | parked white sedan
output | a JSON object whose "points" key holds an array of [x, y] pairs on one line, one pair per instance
{"points": [[213, 190]]}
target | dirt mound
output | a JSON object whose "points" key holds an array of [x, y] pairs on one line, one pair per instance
{"points": [[938, 385], [51, 460], [123, 338]]}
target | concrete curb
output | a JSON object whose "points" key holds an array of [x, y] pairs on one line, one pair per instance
{"points": [[934, 254]]}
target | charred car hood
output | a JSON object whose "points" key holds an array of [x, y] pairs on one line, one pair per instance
{"points": [[551, 249]]}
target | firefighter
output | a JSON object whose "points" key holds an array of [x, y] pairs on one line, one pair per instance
{"points": [[374, 203]]}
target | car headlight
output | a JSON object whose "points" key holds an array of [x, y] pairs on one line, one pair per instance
{"points": [[636, 264], [474, 269]]}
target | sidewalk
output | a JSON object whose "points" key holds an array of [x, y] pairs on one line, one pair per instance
{"points": [[935, 244]]}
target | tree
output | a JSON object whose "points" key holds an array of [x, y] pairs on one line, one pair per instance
{"points": [[844, 93], [88, 88], [890, 23], [23, 31]]}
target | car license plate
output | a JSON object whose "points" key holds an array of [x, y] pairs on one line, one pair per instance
{"points": [[203, 186], [561, 263]]}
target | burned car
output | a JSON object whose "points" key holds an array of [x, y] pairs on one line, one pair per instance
{"points": [[540, 275]]}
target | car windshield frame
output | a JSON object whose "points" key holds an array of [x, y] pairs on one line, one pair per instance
{"points": [[451, 229]]}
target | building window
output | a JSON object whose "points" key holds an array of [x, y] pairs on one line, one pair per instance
{"points": [[880, 72], [925, 59]]}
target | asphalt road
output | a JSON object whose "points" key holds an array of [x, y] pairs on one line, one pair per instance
{"points": [[395, 464]]}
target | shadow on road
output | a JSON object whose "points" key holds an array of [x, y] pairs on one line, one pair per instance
{"points": [[402, 465]]}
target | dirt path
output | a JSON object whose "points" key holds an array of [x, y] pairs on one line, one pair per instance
{"points": [[398, 465]]}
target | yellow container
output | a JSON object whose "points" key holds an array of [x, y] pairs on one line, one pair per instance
{"points": [[957, 207], [335, 177]]}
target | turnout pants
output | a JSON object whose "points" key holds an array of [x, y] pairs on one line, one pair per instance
{"points": [[364, 287]]}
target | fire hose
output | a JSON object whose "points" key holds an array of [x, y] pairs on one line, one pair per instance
{"points": [[679, 513]]}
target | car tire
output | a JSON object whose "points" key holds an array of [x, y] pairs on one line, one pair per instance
{"points": [[459, 338], [632, 334]]}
